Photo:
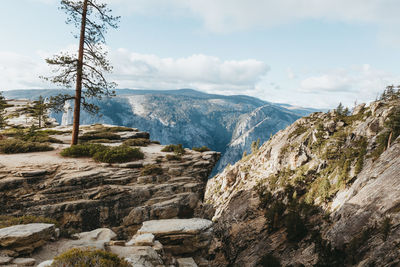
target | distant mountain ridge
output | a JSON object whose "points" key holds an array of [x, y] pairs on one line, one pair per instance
{"points": [[228, 124]]}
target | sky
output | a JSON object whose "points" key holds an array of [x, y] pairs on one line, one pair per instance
{"points": [[312, 53]]}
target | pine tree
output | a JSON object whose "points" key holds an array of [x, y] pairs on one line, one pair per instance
{"points": [[3, 104], [39, 110], [255, 145], [339, 110], [86, 68]]}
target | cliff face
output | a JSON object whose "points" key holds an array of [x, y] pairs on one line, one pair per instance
{"points": [[261, 123], [324, 191], [84, 195]]}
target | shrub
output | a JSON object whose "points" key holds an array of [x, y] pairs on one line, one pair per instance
{"points": [[43, 139], [201, 149], [119, 129], [97, 141], [353, 248], [31, 135], [385, 228], [392, 128], [173, 157], [274, 214], [99, 135], [103, 153], [6, 221], [295, 227], [12, 146], [82, 150], [269, 260], [151, 170], [54, 132], [78, 257], [300, 129], [155, 142], [177, 149], [118, 154], [137, 142], [255, 146]]}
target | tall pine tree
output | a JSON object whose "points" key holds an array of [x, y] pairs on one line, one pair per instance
{"points": [[84, 69]]}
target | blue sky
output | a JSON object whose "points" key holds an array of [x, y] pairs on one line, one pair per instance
{"points": [[302, 52]]}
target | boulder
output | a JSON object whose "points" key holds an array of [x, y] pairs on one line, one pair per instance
{"points": [[24, 261], [358, 109], [180, 236], [138, 256], [175, 226], [96, 238], [5, 260], [46, 263], [142, 240], [25, 238], [186, 262]]}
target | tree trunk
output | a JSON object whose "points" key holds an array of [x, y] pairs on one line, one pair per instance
{"points": [[389, 140], [78, 90]]}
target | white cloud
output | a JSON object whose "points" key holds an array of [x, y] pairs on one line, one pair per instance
{"points": [[231, 15], [362, 83], [133, 70], [291, 75], [214, 75], [198, 71], [21, 72], [352, 79]]}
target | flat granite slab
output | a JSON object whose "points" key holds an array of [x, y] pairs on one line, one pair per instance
{"points": [[175, 226]]}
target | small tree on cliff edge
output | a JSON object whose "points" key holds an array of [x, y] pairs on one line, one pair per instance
{"points": [[84, 69]]}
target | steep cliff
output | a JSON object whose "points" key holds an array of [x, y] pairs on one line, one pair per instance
{"points": [[322, 192]]}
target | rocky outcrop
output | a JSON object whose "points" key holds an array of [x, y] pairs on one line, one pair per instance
{"points": [[173, 242], [324, 191], [83, 195], [24, 239]]}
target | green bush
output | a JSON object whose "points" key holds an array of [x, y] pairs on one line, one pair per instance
{"points": [[99, 135], [103, 153], [392, 127], [98, 141], [54, 132], [137, 142], [31, 135], [177, 149], [269, 260], [13, 146], [300, 129], [118, 154], [43, 139], [274, 213], [78, 257], [6, 221], [82, 150], [173, 157], [385, 228], [151, 170], [119, 129], [201, 149], [295, 227]]}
